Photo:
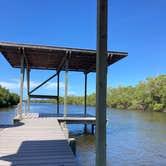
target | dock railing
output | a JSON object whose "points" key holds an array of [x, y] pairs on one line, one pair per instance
{"points": [[20, 110]]}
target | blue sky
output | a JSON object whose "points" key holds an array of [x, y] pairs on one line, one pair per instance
{"points": [[138, 27]]}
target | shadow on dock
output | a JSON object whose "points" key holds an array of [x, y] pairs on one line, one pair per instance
{"points": [[17, 124], [42, 115], [41, 152]]}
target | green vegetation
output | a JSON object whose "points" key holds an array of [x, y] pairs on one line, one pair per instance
{"points": [[149, 95], [7, 98]]}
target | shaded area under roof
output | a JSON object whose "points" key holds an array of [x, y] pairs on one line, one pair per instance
{"points": [[50, 57]]}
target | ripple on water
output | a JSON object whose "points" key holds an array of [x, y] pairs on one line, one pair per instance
{"points": [[133, 138]]}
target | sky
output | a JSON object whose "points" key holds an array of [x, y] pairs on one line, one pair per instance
{"points": [[136, 27]]}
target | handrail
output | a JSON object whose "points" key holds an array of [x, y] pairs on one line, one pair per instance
{"points": [[18, 109]]}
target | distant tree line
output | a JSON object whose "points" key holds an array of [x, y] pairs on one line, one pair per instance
{"points": [[149, 95], [7, 98]]}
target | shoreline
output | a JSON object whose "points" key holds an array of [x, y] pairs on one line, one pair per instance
{"points": [[164, 111]]}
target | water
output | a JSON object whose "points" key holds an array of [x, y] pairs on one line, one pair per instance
{"points": [[133, 138]]}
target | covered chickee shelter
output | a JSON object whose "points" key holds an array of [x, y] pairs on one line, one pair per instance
{"points": [[28, 57]]}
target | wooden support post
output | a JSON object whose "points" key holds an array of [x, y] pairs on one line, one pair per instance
{"points": [[93, 127], [66, 88], [72, 144], [21, 83], [101, 82], [85, 128], [85, 96], [85, 102], [58, 93], [28, 88]]}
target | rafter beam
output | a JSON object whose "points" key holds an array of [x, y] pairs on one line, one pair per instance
{"points": [[94, 65]]}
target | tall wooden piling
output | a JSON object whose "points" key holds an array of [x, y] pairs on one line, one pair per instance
{"points": [[101, 82]]}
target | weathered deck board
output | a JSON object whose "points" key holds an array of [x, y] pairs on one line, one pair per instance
{"points": [[37, 141], [70, 119], [77, 120]]}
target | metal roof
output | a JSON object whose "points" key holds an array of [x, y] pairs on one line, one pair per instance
{"points": [[50, 57]]}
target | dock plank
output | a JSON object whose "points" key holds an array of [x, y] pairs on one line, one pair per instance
{"points": [[37, 141]]}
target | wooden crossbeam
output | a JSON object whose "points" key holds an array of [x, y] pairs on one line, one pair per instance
{"points": [[58, 70], [43, 96], [42, 83]]}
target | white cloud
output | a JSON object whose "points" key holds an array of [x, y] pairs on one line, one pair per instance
{"points": [[71, 92], [10, 85], [53, 85], [33, 84], [14, 85]]}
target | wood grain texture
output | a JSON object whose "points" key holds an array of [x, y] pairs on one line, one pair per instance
{"points": [[36, 141], [50, 57]]}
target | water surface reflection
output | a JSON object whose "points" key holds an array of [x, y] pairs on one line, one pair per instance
{"points": [[133, 138]]}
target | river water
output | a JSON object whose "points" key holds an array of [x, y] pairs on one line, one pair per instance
{"points": [[133, 138]]}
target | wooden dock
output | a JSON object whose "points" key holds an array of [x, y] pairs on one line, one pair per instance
{"points": [[70, 119], [35, 141]]}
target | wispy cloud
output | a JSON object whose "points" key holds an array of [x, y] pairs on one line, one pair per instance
{"points": [[14, 85], [33, 84], [71, 92], [51, 85], [9, 85]]}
